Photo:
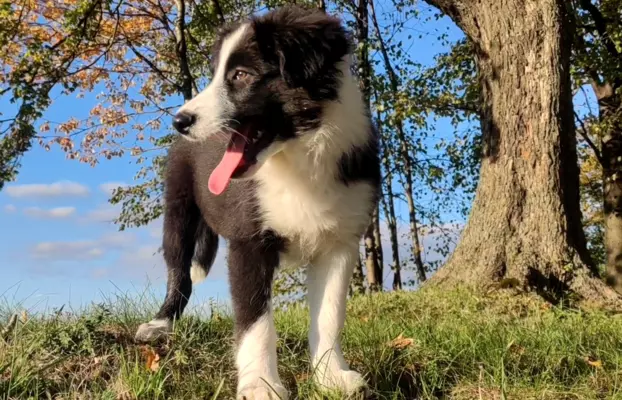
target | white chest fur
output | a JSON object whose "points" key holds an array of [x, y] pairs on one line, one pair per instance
{"points": [[300, 194], [314, 213]]}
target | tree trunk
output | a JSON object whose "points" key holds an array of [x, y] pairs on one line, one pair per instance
{"points": [[357, 286], [373, 247], [525, 223], [412, 214], [404, 154], [610, 114], [389, 211], [374, 279]]}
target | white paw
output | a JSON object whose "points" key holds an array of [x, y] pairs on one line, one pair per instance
{"points": [[262, 390], [153, 330], [347, 381]]}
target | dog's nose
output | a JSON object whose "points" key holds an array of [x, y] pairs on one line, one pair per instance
{"points": [[183, 121]]}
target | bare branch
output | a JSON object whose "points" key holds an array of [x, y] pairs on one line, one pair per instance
{"points": [[584, 133]]}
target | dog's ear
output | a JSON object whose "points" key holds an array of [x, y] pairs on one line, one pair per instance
{"points": [[304, 44]]}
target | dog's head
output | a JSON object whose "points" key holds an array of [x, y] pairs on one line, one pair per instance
{"points": [[272, 74]]}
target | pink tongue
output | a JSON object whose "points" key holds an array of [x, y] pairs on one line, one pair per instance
{"points": [[220, 177]]}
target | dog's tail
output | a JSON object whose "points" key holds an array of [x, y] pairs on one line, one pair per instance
{"points": [[206, 247]]}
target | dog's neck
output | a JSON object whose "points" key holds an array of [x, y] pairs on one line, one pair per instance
{"points": [[345, 125]]}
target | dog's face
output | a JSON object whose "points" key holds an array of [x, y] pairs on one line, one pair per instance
{"points": [[271, 77]]}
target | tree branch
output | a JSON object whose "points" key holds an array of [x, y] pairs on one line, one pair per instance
{"points": [[221, 15], [584, 133], [601, 26], [188, 86]]}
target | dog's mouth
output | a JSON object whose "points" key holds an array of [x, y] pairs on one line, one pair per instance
{"points": [[240, 155]]}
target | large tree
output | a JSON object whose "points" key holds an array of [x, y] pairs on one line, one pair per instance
{"points": [[525, 223]]}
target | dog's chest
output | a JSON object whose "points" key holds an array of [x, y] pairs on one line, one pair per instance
{"points": [[312, 213]]}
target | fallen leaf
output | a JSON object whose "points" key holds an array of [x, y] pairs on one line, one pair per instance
{"points": [[24, 317], [302, 377], [594, 362], [400, 342], [153, 359]]}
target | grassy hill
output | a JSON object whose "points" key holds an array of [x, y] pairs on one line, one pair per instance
{"points": [[423, 345]]}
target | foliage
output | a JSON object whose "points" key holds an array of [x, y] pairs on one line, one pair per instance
{"points": [[424, 345], [140, 60], [597, 65]]}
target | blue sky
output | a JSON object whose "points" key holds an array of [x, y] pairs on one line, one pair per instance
{"points": [[57, 243]]}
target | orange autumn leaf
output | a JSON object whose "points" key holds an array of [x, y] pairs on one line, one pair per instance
{"points": [[153, 359], [400, 342], [594, 362]]}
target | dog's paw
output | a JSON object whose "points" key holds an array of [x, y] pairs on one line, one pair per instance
{"points": [[262, 390], [350, 383], [153, 330]]}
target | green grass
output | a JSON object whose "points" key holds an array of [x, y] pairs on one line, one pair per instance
{"points": [[464, 346]]}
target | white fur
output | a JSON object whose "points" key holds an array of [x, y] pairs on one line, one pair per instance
{"points": [[302, 199], [197, 273], [212, 106], [256, 362], [327, 286], [300, 195], [153, 330]]}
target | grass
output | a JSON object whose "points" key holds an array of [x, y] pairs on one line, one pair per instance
{"points": [[464, 346]]}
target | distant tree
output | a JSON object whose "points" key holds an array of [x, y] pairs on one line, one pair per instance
{"points": [[597, 62], [372, 239]]}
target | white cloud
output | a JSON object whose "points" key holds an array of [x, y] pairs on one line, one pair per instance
{"points": [[10, 209], [56, 189], [80, 250], [103, 213], [109, 187], [53, 213]]}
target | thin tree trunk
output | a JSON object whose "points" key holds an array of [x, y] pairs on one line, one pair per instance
{"points": [[357, 285], [388, 205], [610, 110], [609, 96], [525, 223], [404, 154], [389, 212], [187, 86], [373, 263], [378, 249]]}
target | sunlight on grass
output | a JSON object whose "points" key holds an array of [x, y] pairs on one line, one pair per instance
{"points": [[425, 345]]}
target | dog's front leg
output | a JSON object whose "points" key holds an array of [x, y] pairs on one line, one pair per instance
{"points": [[327, 285], [251, 270]]}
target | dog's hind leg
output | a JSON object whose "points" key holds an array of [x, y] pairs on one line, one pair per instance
{"points": [[206, 247], [328, 278]]}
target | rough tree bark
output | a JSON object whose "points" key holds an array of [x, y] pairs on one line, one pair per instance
{"points": [[525, 223]]}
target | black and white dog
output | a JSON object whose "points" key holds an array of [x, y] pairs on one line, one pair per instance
{"points": [[280, 158]]}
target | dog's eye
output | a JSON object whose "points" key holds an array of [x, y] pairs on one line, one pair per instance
{"points": [[240, 75]]}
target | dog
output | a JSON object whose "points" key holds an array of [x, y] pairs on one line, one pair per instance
{"points": [[279, 156]]}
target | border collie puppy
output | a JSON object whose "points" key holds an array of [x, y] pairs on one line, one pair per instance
{"points": [[279, 157]]}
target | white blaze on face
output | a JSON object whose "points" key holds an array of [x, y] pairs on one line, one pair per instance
{"points": [[212, 108]]}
